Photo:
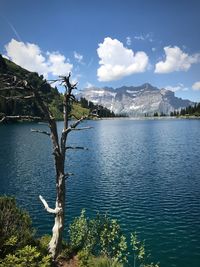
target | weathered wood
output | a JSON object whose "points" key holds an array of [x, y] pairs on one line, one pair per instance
{"points": [[76, 147], [47, 208], [59, 148], [17, 97], [40, 131], [20, 117]]}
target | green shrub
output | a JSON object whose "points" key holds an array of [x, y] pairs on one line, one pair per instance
{"points": [[139, 253], [99, 236], [26, 257], [43, 243], [100, 242], [112, 242], [78, 231], [83, 258], [103, 262], [15, 226]]}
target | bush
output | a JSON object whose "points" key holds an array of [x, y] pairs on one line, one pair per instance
{"points": [[83, 258], [26, 257], [43, 243], [100, 243], [15, 227], [99, 236], [103, 262]]}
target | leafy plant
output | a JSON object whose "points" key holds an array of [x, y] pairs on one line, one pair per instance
{"points": [[83, 258], [139, 253], [112, 242], [43, 243], [26, 257], [78, 231], [103, 262], [15, 226], [99, 236]]}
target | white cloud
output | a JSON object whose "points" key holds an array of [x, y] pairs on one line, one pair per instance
{"points": [[147, 37], [128, 40], [176, 60], [118, 61], [57, 64], [153, 49], [179, 87], [88, 85], [4, 56], [78, 57], [196, 86], [30, 57], [139, 37], [26, 55]]}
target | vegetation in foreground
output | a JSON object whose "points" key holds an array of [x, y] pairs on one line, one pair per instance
{"points": [[97, 242]]}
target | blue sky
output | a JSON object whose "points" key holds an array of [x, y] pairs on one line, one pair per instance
{"points": [[107, 43]]}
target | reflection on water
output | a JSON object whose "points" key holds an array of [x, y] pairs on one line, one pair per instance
{"points": [[144, 173]]}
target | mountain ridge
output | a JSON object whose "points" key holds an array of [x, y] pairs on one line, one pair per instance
{"points": [[145, 99]]}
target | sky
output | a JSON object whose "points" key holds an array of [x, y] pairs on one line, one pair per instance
{"points": [[107, 42]]}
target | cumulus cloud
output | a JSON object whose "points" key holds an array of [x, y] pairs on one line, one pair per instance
{"points": [[196, 86], [30, 57], [78, 57], [57, 64], [179, 87], [176, 60], [117, 61]]}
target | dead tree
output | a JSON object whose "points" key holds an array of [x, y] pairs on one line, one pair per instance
{"points": [[59, 145]]}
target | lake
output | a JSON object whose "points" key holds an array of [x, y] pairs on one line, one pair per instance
{"points": [[145, 173]]}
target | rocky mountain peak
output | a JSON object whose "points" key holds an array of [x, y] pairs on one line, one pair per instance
{"points": [[136, 100]]}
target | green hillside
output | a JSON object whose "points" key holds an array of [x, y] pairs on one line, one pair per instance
{"points": [[50, 95]]}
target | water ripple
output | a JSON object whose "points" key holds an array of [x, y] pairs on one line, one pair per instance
{"points": [[144, 173]]}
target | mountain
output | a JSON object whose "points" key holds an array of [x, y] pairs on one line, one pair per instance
{"points": [[136, 100], [50, 95]]}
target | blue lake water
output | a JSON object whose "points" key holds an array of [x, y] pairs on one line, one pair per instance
{"points": [[145, 173]]}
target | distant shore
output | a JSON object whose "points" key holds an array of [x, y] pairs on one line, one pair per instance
{"points": [[152, 118]]}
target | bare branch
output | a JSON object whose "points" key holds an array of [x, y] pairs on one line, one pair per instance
{"points": [[73, 115], [68, 174], [40, 131], [94, 114], [3, 119], [43, 123], [53, 81], [74, 125], [20, 117], [46, 206], [80, 129], [65, 79], [17, 97], [76, 147]]}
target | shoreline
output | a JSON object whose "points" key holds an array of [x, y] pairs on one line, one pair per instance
{"points": [[151, 118]]}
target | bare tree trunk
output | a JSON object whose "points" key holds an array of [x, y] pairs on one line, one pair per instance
{"points": [[55, 245], [59, 147]]}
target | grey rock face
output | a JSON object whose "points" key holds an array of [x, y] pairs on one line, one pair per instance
{"points": [[136, 101]]}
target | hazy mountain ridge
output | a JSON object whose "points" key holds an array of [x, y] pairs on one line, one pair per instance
{"points": [[136, 100]]}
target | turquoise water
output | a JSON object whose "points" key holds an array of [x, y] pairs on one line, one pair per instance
{"points": [[145, 173]]}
